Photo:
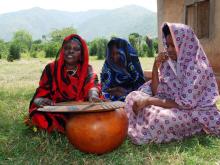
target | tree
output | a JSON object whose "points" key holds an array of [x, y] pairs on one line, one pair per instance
{"points": [[37, 45], [14, 52], [143, 52], [149, 42], [92, 48], [150, 50], [3, 49], [101, 47], [23, 39], [37, 41], [51, 49], [98, 47], [155, 44], [44, 37], [59, 35], [135, 40]]}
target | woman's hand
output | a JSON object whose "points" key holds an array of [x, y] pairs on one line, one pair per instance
{"points": [[162, 57], [40, 102], [94, 95], [140, 103], [117, 91]]}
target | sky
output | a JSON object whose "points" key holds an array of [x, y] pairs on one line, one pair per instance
{"points": [[73, 5]]}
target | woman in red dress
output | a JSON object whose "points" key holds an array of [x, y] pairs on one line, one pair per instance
{"points": [[68, 78]]}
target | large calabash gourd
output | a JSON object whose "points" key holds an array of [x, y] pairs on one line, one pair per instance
{"points": [[97, 132]]}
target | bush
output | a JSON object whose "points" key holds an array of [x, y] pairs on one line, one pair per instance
{"points": [[150, 52], [33, 54], [3, 49], [150, 46], [24, 39], [143, 50], [51, 49], [98, 47], [41, 54], [14, 52], [92, 48], [135, 40], [36, 47], [101, 48], [155, 44]]}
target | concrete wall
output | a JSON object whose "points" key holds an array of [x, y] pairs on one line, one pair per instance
{"points": [[169, 11]]}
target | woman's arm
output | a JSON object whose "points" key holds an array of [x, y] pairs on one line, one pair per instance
{"points": [[40, 102], [155, 78], [165, 103], [117, 91], [94, 95], [91, 88], [141, 103]]}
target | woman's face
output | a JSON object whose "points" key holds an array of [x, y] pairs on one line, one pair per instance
{"points": [[115, 55], [72, 52], [171, 48]]}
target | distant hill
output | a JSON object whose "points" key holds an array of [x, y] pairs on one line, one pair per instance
{"points": [[90, 24]]}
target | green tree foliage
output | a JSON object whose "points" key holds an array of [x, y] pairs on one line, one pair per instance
{"points": [[52, 46], [58, 35], [44, 37], [143, 50], [37, 41], [135, 39], [3, 49], [36, 47], [149, 43], [23, 39], [98, 47], [14, 52], [145, 46], [155, 44], [150, 52], [51, 49], [101, 48], [92, 48]]}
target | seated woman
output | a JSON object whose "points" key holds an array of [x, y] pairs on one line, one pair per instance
{"points": [[180, 101], [68, 78], [122, 72]]}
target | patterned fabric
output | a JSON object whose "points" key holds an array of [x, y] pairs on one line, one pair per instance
{"points": [[195, 84], [58, 86], [194, 89], [129, 78]]}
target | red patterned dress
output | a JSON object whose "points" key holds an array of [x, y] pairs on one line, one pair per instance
{"points": [[57, 85]]}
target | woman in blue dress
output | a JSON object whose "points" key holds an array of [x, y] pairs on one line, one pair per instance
{"points": [[121, 72]]}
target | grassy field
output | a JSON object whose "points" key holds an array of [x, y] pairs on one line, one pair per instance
{"points": [[20, 145]]}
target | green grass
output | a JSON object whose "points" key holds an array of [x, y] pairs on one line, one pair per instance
{"points": [[20, 145]]}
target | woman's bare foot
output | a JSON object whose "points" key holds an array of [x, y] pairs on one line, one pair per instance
{"points": [[139, 104]]}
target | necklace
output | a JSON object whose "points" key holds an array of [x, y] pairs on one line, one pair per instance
{"points": [[73, 71]]}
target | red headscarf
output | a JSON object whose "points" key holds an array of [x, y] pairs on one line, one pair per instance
{"points": [[65, 89]]}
